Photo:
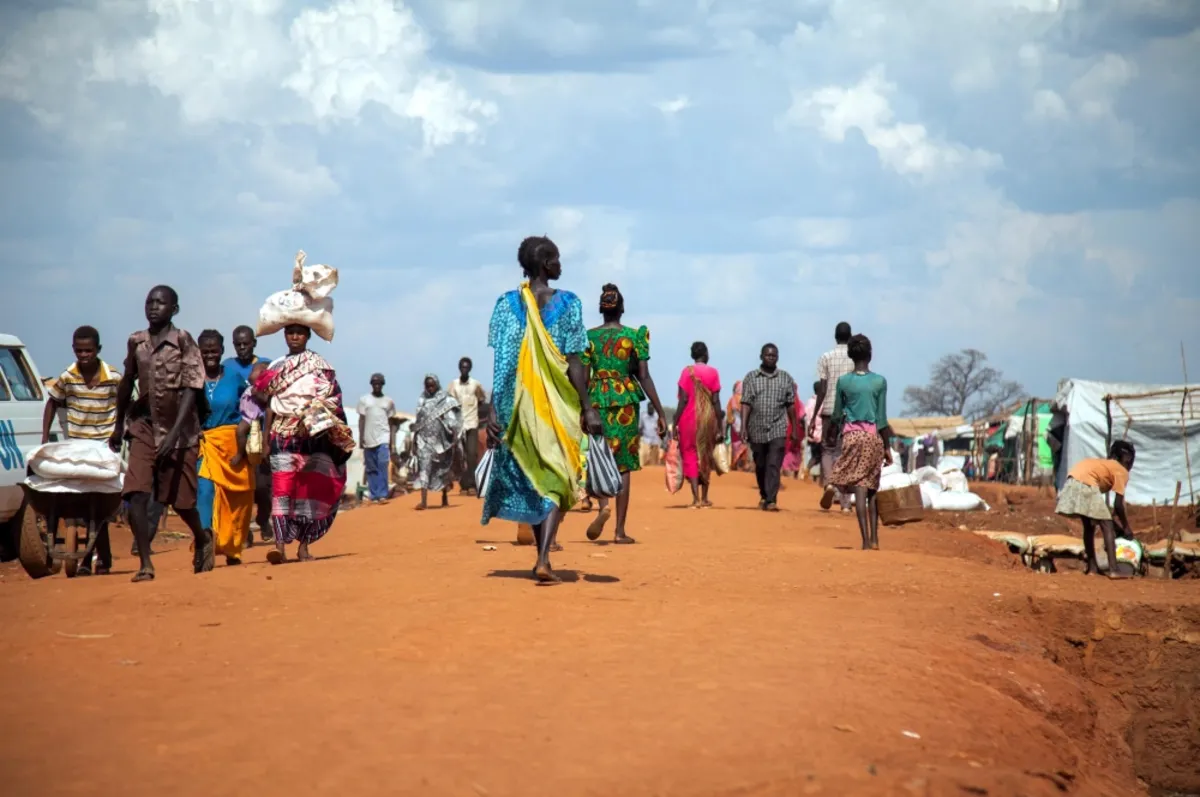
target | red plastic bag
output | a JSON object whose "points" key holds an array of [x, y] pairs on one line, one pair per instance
{"points": [[674, 467]]}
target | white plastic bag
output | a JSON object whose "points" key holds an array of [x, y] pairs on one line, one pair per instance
{"points": [[928, 475], [957, 502], [895, 467], [928, 492], [76, 459], [894, 481], [956, 482], [307, 302]]}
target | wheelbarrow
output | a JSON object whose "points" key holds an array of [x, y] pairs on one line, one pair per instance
{"points": [[43, 551]]}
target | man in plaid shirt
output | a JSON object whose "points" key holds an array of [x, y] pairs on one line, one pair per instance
{"points": [[832, 366], [768, 406]]}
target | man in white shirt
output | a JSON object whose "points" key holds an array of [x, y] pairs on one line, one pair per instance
{"points": [[376, 438], [651, 443], [470, 394], [832, 366]]}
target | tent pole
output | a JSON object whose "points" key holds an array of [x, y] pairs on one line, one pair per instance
{"points": [[1183, 419]]}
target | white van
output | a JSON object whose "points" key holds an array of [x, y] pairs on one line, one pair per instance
{"points": [[22, 402]]}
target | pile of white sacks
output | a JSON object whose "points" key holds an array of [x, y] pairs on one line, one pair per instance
{"points": [[76, 466], [943, 489]]}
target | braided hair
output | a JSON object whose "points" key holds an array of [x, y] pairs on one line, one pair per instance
{"points": [[535, 253], [612, 302], [213, 335]]}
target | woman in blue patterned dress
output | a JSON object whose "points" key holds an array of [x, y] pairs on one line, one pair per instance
{"points": [[511, 491]]}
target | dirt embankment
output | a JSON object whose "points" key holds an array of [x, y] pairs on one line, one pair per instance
{"points": [[729, 652]]}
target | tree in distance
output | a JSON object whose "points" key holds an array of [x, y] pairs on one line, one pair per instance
{"points": [[962, 384]]}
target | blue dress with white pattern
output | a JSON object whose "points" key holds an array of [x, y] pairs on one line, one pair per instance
{"points": [[510, 496]]}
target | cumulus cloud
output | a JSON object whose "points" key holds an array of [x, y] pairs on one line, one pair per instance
{"points": [[905, 147], [941, 174]]}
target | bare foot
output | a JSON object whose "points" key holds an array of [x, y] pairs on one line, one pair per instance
{"points": [[545, 575], [623, 539], [555, 548], [421, 507], [445, 500]]}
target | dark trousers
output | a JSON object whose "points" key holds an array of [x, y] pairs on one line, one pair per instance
{"points": [[470, 459], [768, 461], [102, 553]]}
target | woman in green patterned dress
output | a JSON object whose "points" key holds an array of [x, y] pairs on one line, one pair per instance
{"points": [[619, 361]]}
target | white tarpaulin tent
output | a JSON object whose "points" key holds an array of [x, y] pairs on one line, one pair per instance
{"points": [[1161, 421]]}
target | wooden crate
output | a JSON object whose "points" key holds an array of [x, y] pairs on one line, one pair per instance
{"points": [[900, 506]]}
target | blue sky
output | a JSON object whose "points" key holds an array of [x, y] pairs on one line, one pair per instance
{"points": [[1018, 176]]}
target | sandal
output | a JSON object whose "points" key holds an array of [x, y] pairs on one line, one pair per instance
{"points": [[143, 574], [596, 527]]}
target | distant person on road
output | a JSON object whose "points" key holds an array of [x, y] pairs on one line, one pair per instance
{"points": [[1082, 497], [87, 390], [813, 420], [163, 427], [860, 415], [651, 446], [832, 366], [377, 437], [733, 422], [793, 455], [539, 396], [471, 396], [244, 345], [437, 433], [618, 359], [768, 412], [699, 420]]}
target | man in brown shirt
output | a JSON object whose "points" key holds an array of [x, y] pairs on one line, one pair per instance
{"points": [[162, 426]]}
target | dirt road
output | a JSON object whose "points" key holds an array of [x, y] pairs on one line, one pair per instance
{"points": [[729, 652]]}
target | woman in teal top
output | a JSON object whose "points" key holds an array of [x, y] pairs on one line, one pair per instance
{"points": [[860, 415], [225, 487]]}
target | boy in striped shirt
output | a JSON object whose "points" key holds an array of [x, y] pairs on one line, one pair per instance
{"points": [[88, 392]]}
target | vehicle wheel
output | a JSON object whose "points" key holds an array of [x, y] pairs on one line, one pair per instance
{"points": [[35, 558]]}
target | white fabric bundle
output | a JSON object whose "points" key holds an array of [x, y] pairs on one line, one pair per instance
{"points": [[895, 481], [86, 460], [307, 302]]}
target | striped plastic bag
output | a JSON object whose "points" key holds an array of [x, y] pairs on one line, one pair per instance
{"points": [[603, 476], [483, 473]]}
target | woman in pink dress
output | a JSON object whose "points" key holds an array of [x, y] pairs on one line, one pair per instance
{"points": [[698, 422], [793, 457]]}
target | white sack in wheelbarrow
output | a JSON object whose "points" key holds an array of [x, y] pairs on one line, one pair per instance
{"points": [[307, 302], [76, 486], [87, 460]]}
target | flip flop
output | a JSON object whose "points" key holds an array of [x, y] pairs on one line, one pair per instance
{"points": [[596, 528], [143, 575], [624, 541]]}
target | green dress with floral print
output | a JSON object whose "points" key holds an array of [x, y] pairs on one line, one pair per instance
{"points": [[612, 356]]}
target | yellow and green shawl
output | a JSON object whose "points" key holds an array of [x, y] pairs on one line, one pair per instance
{"points": [[544, 433]]}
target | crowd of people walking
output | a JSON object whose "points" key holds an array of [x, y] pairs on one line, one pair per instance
{"points": [[228, 442]]}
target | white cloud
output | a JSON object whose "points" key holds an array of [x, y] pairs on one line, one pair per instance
{"points": [[906, 148], [672, 107], [156, 139]]}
